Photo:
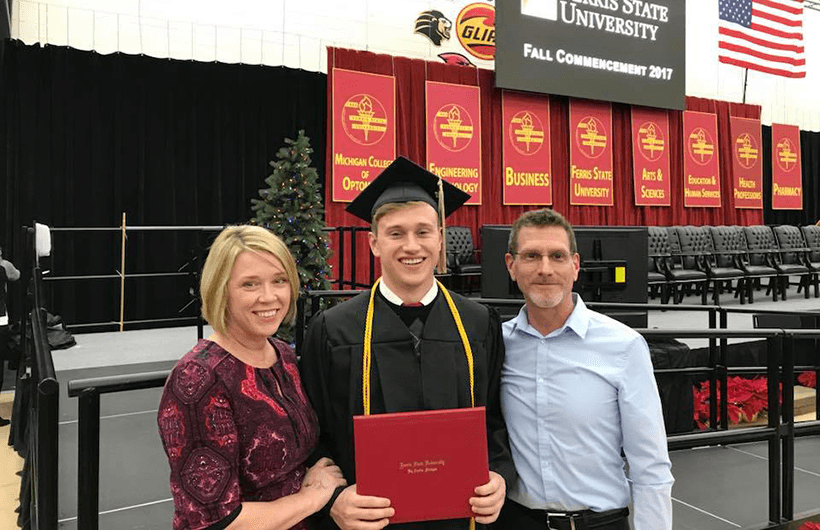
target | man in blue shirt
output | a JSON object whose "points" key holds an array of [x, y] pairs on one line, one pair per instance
{"points": [[577, 388]]}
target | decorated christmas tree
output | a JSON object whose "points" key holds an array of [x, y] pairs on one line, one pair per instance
{"points": [[291, 207]]}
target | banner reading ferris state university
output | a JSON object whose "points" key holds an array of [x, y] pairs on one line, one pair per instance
{"points": [[454, 136], [650, 157], [590, 153], [525, 124], [747, 163], [364, 130], [787, 174], [701, 170]]}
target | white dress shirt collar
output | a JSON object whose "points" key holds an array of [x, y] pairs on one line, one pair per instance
{"points": [[393, 298]]}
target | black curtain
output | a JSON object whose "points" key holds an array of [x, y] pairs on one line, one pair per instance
{"points": [[85, 137], [810, 162]]}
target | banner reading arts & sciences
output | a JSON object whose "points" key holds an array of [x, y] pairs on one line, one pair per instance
{"points": [[701, 173], [747, 163], [650, 157], [526, 155], [590, 175], [787, 173], [364, 130], [454, 136]]}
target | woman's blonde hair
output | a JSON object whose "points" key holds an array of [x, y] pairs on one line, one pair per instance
{"points": [[233, 240]]}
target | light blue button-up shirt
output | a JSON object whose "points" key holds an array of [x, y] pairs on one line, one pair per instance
{"points": [[571, 400]]}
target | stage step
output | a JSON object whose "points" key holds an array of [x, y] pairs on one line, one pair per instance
{"points": [[804, 400]]}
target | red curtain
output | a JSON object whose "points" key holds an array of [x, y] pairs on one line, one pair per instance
{"points": [[411, 75]]}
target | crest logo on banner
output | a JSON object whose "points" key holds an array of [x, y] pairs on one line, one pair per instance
{"points": [[453, 135], [475, 27], [787, 173], [747, 167], [590, 154], [746, 151], [454, 127], [433, 25], [701, 162], [650, 157], [590, 134], [701, 146], [651, 143], [786, 155], [526, 148], [364, 119], [526, 133]]}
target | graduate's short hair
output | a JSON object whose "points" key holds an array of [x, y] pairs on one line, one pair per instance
{"points": [[232, 241], [541, 218], [391, 207]]}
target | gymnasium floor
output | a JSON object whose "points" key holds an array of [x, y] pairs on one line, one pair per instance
{"points": [[716, 488]]}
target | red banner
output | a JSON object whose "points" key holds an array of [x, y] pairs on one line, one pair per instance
{"points": [[747, 163], [650, 157], [525, 123], [701, 168], [364, 130], [454, 136], [590, 175], [787, 174]]}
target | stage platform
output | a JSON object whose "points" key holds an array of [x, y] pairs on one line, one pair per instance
{"points": [[716, 488]]}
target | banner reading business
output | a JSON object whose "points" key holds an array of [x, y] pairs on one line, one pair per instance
{"points": [[629, 51]]}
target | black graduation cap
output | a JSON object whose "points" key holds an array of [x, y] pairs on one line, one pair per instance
{"points": [[405, 181]]}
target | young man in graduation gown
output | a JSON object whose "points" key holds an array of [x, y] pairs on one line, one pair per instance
{"points": [[417, 356]]}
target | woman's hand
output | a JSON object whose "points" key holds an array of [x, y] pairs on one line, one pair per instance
{"points": [[321, 480]]}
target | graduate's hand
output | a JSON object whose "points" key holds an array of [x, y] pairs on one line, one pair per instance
{"points": [[489, 499], [352, 511], [321, 480]]}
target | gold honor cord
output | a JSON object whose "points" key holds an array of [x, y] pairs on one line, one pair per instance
{"points": [[368, 347]]}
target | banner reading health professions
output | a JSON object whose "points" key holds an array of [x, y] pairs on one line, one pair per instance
{"points": [[787, 174], [701, 173], [590, 154], [454, 136], [650, 156], [364, 130], [526, 155], [747, 163]]}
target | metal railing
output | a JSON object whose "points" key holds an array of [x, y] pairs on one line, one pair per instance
{"points": [[43, 413]]}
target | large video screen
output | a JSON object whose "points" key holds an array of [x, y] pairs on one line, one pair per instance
{"points": [[629, 51]]}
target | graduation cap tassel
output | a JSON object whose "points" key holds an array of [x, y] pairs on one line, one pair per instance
{"points": [[442, 258]]}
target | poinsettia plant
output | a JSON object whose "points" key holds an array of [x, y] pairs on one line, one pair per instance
{"points": [[746, 399], [810, 526], [808, 379]]}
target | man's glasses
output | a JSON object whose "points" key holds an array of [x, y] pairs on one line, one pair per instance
{"points": [[532, 257]]}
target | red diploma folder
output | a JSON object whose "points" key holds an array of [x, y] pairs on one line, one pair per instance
{"points": [[427, 463]]}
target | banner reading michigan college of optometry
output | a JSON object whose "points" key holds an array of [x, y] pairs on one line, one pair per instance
{"points": [[747, 163], [364, 130], [590, 153], [526, 155], [701, 171], [650, 156], [787, 175], [454, 136]]}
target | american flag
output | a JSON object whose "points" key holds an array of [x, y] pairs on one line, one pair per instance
{"points": [[764, 35]]}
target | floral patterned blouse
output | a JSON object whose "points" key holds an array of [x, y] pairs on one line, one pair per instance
{"points": [[233, 433]]}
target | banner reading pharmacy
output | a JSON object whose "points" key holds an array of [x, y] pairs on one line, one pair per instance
{"points": [[364, 130], [454, 136], [787, 174]]}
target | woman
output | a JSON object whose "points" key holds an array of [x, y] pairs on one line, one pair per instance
{"points": [[233, 419]]}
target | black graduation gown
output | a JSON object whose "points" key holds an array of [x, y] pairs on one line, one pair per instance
{"points": [[403, 378]]}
